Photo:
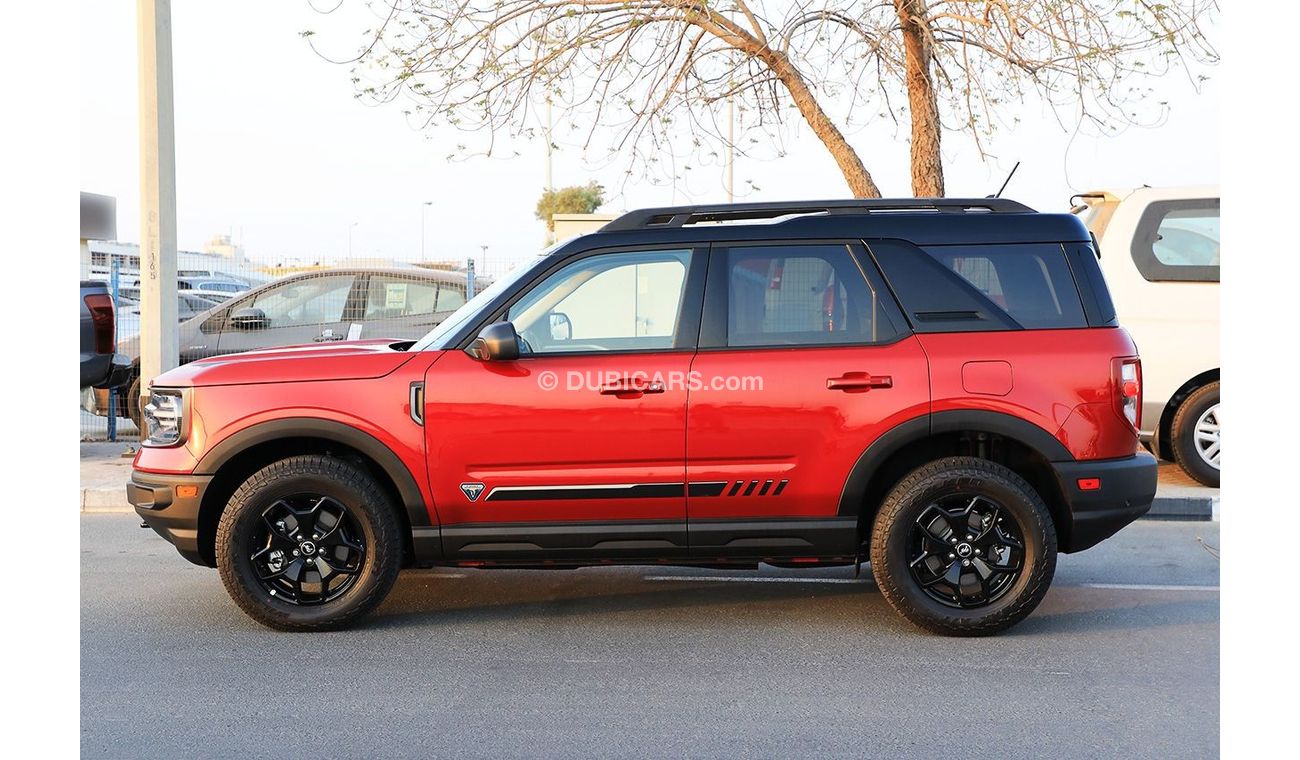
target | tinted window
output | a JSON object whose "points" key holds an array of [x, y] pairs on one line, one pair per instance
{"points": [[1178, 240], [971, 288], [800, 295], [1030, 283], [308, 301], [391, 297], [608, 302]]}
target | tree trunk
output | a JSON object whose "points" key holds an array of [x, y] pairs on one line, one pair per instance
{"points": [[854, 171], [927, 161]]}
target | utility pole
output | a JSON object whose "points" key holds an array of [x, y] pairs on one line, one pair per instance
{"points": [[159, 342], [423, 208], [547, 186], [729, 177]]}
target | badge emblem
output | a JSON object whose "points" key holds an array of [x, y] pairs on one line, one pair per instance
{"points": [[471, 490]]}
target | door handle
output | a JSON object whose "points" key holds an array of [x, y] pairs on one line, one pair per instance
{"points": [[858, 381], [631, 387]]}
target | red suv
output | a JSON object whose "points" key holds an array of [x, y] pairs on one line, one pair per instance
{"points": [[938, 387]]}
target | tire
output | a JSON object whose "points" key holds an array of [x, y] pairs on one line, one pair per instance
{"points": [[132, 405], [1190, 451], [1015, 514], [353, 521]]}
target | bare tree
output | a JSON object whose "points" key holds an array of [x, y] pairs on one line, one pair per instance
{"points": [[643, 76]]}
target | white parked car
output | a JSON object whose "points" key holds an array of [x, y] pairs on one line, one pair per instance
{"points": [[1159, 252]]}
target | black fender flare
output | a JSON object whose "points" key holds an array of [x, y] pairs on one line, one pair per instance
{"points": [[893, 440], [312, 427]]}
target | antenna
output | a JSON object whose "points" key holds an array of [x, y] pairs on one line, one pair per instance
{"points": [[1007, 182]]}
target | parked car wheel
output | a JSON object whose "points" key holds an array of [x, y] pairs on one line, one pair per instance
{"points": [[132, 404], [1195, 432], [963, 547], [308, 543]]}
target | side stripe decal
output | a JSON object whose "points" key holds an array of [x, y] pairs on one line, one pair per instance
{"points": [[704, 488]]}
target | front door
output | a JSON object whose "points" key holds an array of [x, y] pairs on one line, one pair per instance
{"points": [[802, 364], [577, 448], [305, 309]]}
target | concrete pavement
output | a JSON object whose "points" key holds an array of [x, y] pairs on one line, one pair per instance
{"points": [[1121, 660]]}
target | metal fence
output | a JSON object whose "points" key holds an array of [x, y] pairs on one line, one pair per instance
{"points": [[228, 304]]}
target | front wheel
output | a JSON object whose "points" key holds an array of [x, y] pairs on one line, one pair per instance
{"points": [[308, 543], [963, 547]]}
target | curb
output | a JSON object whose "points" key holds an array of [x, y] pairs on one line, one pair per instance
{"points": [[1188, 508], [105, 500]]}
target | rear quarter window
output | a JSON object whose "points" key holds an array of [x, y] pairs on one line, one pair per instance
{"points": [[1178, 241], [986, 287]]}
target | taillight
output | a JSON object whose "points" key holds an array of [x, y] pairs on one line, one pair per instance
{"points": [[101, 316], [1128, 390]]}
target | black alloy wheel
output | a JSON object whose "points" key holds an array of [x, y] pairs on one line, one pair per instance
{"points": [[967, 551], [309, 550]]}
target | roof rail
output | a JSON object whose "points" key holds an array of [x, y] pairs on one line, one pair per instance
{"points": [[679, 216]]}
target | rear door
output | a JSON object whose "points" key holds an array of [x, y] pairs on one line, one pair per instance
{"points": [[399, 306], [803, 362]]}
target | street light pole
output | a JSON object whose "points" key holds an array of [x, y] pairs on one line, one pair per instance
{"points": [[484, 247], [423, 208], [159, 342]]}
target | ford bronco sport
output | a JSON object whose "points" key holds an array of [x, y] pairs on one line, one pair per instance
{"points": [[939, 387]]}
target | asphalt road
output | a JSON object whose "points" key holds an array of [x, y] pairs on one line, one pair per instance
{"points": [[651, 662]]}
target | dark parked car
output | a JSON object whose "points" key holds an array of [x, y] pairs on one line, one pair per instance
{"points": [[311, 307], [101, 365]]}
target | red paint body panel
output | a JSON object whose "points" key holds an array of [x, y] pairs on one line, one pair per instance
{"points": [[795, 428], [504, 425], [1064, 383], [365, 386]]}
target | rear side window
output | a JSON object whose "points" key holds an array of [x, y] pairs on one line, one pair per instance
{"points": [[1178, 241], [801, 295], [985, 287]]}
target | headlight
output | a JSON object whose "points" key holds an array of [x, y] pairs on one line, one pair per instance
{"points": [[164, 417]]}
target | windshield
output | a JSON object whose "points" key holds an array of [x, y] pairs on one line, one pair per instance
{"points": [[436, 337]]}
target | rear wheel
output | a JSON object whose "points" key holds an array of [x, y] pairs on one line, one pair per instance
{"points": [[1195, 432], [308, 543], [963, 547]]}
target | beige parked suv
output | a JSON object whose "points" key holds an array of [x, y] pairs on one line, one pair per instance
{"points": [[1160, 254]]}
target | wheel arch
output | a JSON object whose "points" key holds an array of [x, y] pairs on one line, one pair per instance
{"points": [[238, 456], [1025, 448], [1164, 429]]}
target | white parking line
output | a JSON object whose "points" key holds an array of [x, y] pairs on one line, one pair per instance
{"points": [[1149, 587]]}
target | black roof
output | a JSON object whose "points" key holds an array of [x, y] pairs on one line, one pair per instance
{"points": [[923, 221]]}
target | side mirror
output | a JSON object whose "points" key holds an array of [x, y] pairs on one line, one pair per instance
{"points": [[248, 318], [498, 342], [561, 326]]}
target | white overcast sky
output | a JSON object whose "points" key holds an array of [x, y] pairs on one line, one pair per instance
{"points": [[272, 146]]}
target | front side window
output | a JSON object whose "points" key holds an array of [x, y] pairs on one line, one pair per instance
{"points": [[309, 301], [608, 302], [1178, 241], [801, 295]]}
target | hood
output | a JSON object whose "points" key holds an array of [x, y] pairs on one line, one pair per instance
{"points": [[351, 360]]}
